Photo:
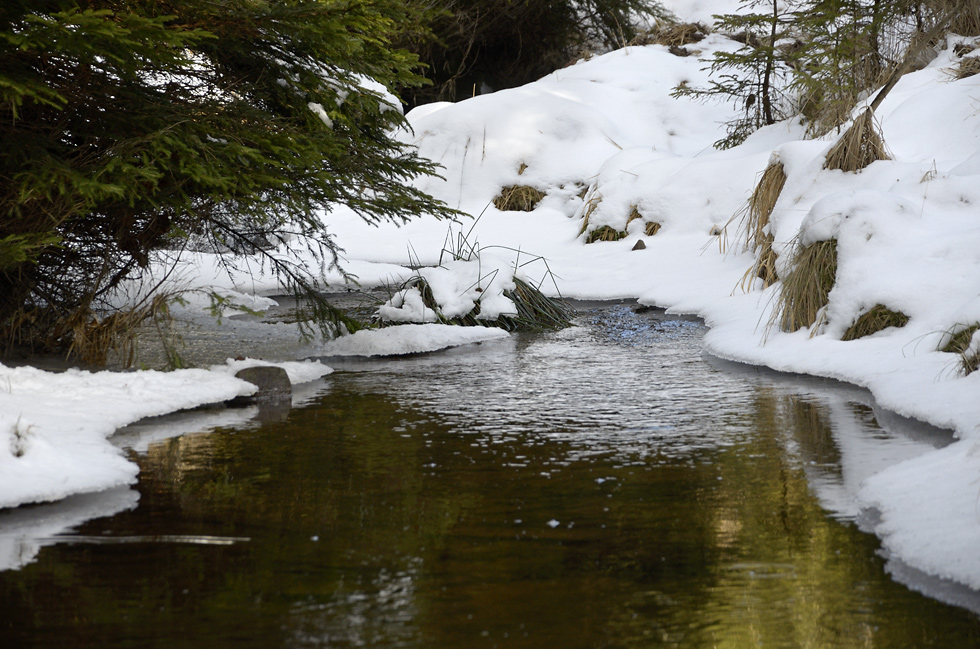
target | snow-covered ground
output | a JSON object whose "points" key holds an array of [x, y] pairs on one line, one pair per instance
{"points": [[604, 138]]}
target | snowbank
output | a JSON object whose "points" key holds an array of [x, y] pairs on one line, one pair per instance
{"points": [[55, 427], [408, 339]]}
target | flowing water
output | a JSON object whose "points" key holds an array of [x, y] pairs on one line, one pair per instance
{"points": [[602, 486]]}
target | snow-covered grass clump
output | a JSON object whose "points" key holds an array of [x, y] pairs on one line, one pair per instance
{"points": [[487, 286]]}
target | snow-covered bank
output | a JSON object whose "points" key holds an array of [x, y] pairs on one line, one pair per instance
{"points": [[54, 427]]}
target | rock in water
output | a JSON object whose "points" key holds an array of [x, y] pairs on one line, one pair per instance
{"points": [[272, 383]]}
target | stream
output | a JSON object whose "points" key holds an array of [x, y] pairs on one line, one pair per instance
{"points": [[606, 485]]}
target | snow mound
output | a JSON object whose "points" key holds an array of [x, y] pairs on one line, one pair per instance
{"points": [[408, 339]]}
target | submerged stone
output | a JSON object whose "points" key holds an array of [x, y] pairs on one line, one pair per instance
{"points": [[272, 383]]}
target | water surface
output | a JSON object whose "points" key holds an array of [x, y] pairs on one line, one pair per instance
{"points": [[603, 486]]}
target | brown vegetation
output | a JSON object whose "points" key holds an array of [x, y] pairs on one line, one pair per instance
{"points": [[805, 289], [518, 198], [858, 147], [876, 319]]}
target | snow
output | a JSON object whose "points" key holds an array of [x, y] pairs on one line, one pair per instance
{"points": [[298, 372], [603, 138], [55, 427], [408, 339]]}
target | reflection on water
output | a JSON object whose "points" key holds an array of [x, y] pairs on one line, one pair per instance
{"points": [[602, 486]]}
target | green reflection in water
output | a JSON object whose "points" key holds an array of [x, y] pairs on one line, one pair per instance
{"points": [[374, 525]]}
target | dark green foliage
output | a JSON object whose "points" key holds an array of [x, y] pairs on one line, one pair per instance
{"points": [[752, 76], [128, 127], [818, 58], [507, 43], [847, 48]]}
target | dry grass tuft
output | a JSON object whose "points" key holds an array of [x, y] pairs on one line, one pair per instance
{"points": [[755, 220], [633, 216], [761, 204], [652, 228], [605, 233], [960, 343], [94, 339], [517, 198], [673, 35], [962, 49], [765, 264], [879, 317], [858, 147], [806, 287], [968, 67], [970, 362], [966, 19], [591, 204]]}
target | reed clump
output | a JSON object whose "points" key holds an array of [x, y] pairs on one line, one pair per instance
{"points": [[755, 223], [761, 204], [651, 228], [805, 288], [876, 319], [535, 310], [765, 264], [94, 339], [518, 198], [858, 147], [965, 19]]}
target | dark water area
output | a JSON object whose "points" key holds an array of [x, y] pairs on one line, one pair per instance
{"points": [[602, 486]]}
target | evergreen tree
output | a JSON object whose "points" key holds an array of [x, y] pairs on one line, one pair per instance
{"points": [[129, 126], [754, 75], [507, 43], [845, 55]]}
